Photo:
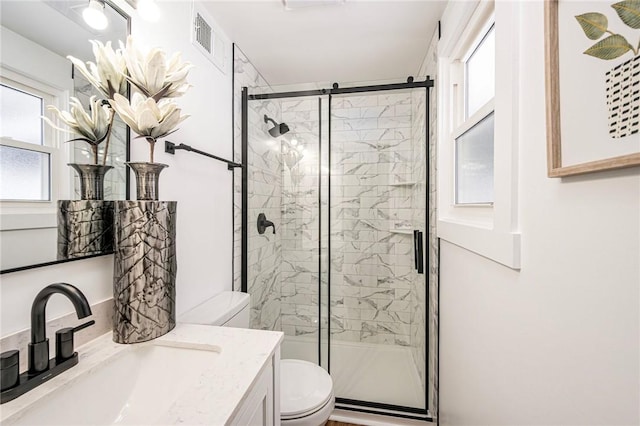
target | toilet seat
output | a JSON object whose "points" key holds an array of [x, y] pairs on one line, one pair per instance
{"points": [[306, 388]]}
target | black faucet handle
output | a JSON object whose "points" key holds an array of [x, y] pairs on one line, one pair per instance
{"points": [[9, 369], [64, 340], [263, 224]]}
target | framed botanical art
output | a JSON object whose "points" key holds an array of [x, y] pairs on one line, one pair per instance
{"points": [[592, 85]]}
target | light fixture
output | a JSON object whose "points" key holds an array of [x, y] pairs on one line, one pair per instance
{"points": [[294, 142], [148, 10], [94, 15]]}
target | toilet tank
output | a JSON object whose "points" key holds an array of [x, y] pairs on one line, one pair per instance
{"points": [[229, 309]]}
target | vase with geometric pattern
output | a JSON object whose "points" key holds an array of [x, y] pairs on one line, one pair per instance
{"points": [[145, 267]]}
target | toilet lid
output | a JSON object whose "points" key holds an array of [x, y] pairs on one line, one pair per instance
{"points": [[304, 387]]}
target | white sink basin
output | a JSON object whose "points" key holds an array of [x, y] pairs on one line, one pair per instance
{"points": [[138, 386]]}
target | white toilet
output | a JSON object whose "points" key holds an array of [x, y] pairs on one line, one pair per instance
{"points": [[306, 390]]}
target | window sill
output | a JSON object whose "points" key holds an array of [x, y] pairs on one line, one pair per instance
{"points": [[499, 246]]}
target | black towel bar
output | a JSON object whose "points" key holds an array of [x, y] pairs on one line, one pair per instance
{"points": [[170, 148]]}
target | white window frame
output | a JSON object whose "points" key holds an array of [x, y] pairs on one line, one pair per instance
{"points": [[28, 214], [490, 230]]}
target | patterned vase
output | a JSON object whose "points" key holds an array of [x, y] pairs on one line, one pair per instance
{"points": [[145, 267], [91, 180], [85, 228], [147, 179]]}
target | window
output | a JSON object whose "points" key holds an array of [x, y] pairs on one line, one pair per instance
{"points": [[27, 145], [478, 129], [21, 112], [480, 74], [474, 164], [474, 135]]}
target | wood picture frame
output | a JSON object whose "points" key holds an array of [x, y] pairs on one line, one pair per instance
{"points": [[555, 167]]}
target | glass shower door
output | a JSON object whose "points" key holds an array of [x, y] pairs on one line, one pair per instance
{"points": [[346, 189], [376, 294]]}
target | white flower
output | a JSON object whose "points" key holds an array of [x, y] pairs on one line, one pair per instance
{"points": [[150, 119], [155, 77], [93, 127], [108, 73]]}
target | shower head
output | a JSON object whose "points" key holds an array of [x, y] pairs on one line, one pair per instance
{"points": [[278, 129]]}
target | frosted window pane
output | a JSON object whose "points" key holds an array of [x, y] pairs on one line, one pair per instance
{"points": [[24, 174], [20, 116], [474, 164], [481, 74]]}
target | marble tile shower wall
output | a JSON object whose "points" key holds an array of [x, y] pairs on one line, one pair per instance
{"points": [[265, 196], [300, 216], [371, 214]]}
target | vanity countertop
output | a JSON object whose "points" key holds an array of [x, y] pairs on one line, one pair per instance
{"points": [[213, 399]]}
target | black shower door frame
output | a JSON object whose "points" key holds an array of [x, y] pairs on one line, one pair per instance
{"points": [[427, 84]]}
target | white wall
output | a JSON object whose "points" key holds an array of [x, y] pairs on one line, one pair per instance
{"points": [[201, 186], [558, 341]]}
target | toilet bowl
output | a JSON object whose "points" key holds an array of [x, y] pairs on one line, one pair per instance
{"points": [[306, 393], [306, 389]]}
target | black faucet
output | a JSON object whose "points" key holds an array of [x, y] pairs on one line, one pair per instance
{"points": [[41, 368], [39, 346]]}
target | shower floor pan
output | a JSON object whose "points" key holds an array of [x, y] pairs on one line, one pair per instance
{"points": [[384, 374]]}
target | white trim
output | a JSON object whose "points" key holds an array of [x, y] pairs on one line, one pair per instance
{"points": [[502, 247], [488, 230], [15, 222], [475, 118]]}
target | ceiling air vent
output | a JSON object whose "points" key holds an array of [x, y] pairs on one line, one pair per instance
{"points": [[208, 38], [202, 33]]}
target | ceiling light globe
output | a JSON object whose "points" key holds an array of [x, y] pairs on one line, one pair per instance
{"points": [[94, 15]]}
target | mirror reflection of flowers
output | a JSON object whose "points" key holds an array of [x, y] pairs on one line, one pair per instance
{"points": [[107, 74], [93, 126]]}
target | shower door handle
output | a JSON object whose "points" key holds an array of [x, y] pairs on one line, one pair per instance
{"points": [[415, 249], [418, 251]]}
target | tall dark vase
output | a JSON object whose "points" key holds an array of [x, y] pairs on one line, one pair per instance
{"points": [[147, 179], [91, 180], [85, 228], [145, 267]]}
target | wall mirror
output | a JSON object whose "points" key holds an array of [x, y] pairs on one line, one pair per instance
{"points": [[35, 179]]}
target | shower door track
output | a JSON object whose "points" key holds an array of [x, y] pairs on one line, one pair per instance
{"points": [[336, 90], [341, 403]]}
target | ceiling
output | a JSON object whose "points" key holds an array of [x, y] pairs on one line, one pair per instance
{"points": [[354, 41]]}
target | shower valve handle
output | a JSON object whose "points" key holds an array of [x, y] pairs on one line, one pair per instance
{"points": [[263, 224]]}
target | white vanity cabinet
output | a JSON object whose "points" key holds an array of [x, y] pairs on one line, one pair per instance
{"points": [[261, 406]]}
